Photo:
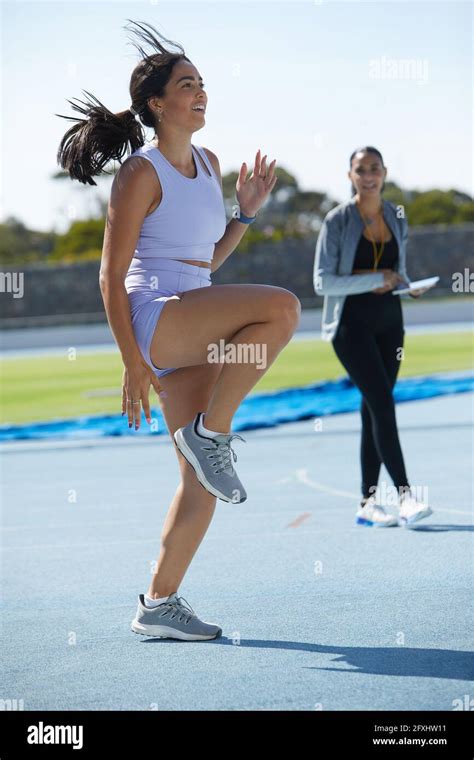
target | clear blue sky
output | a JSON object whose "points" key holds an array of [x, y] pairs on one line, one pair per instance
{"points": [[291, 78]]}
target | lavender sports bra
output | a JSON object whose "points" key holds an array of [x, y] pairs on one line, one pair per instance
{"points": [[191, 217]]}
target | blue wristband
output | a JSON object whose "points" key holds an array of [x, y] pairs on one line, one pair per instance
{"points": [[242, 217]]}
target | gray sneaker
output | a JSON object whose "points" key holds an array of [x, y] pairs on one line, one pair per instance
{"points": [[172, 620], [212, 461]]}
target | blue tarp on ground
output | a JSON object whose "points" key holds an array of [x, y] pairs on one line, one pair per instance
{"points": [[259, 410]]}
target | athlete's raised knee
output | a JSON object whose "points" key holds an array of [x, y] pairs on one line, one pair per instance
{"points": [[287, 308]]}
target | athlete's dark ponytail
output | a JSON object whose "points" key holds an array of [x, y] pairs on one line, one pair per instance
{"points": [[103, 136]]}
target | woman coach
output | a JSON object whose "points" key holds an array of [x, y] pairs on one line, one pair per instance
{"points": [[360, 259]]}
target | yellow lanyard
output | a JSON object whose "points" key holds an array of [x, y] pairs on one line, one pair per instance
{"points": [[377, 254]]}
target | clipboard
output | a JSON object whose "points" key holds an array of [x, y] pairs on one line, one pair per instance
{"points": [[428, 282]]}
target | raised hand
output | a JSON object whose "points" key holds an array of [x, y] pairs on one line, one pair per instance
{"points": [[252, 192]]}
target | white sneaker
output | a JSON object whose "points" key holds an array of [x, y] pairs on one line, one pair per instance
{"points": [[411, 510], [373, 515]]}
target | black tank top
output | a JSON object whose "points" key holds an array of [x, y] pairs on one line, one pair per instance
{"points": [[364, 256], [369, 309]]}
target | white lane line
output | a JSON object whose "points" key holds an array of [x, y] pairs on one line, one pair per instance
{"points": [[308, 334], [68, 526], [302, 477]]}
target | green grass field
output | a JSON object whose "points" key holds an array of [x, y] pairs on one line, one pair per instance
{"points": [[49, 387]]}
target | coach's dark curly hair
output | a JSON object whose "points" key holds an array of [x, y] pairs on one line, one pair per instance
{"points": [[103, 136]]}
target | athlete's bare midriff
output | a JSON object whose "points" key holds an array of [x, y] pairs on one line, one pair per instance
{"points": [[196, 263]]}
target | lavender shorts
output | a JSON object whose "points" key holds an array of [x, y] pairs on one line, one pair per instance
{"points": [[150, 283]]}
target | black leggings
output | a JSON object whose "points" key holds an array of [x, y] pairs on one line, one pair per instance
{"points": [[368, 343]]}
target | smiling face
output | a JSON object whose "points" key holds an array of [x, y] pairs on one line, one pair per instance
{"points": [[185, 101], [367, 174]]}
